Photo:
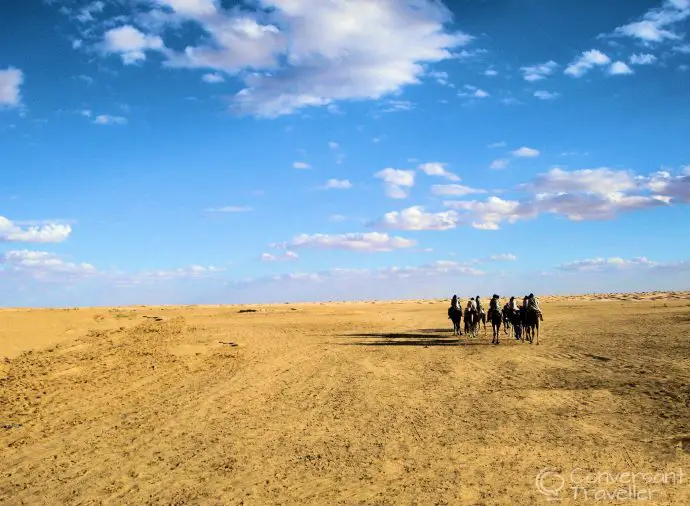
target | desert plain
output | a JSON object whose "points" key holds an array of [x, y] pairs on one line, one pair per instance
{"points": [[345, 403]]}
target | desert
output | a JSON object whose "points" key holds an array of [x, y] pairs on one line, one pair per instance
{"points": [[372, 402]]}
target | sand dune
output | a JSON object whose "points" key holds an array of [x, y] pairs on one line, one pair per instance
{"points": [[339, 403]]}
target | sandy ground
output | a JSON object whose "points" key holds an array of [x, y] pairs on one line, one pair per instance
{"points": [[358, 403]]}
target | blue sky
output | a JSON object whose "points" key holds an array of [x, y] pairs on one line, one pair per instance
{"points": [[204, 151]]}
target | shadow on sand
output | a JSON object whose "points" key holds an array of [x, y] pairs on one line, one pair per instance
{"points": [[423, 337]]}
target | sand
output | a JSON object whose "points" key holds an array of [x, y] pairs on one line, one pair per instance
{"points": [[352, 403]]}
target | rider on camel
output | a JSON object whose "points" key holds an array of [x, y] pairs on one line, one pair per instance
{"points": [[533, 304], [455, 303], [493, 306], [480, 309], [471, 306], [512, 305]]}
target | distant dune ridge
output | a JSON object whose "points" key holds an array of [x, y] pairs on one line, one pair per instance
{"points": [[372, 402]]}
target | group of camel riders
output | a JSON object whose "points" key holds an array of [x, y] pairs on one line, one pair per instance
{"points": [[529, 303]]}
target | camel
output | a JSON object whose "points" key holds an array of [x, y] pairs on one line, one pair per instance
{"points": [[455, 316], [496, 321]]}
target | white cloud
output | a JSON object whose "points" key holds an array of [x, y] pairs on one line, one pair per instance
{"points": [[490, 72], [130, 43], [337, 184], [213, 78], [489, 214], [642, 59], [11, 80], [525, 152], [51, 232], [683, 48], [601, 264], [230, 209], [370, 242], [333, 145], [600, 181], [41, 265], [499, 164], [438, 169], [397, 106], [440, 77], [619, 68], [587, 60], [316, 53], [657, 24], [301, 165], [538, 72], [473, 91], [270, 257], [396, 182], [481, 94], [546, 95], [191, 272], [106, 119], [454, 190], [335, 218], [415, 218], [676, 188], [503, 257]]}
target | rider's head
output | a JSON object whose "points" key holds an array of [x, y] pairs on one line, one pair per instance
{"points": [[531, 295], [512, 298]]}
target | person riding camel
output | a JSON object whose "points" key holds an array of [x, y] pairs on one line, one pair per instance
{"points": [[493, 306], [512, 305], [533, 304], [471, 306], [480, 309], [524, 302], [455, 303]]}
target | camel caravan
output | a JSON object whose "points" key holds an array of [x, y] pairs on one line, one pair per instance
{"points": [[520, 321]]}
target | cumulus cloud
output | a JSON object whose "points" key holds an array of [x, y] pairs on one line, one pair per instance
{"points": [[45, 233], [676, 188], [106, 119], [656, 25], [587, 61], [11, 80], [546, 95], [313, 53], [503, 257], [270, 257], [438, 169], [454, 190], [42, 266], [473, 91], [301, 165], [396, 182], [213, 78], [130, 43], [600, 181], [525, 152], [540, 71], [642, 59], [601, 264], [487, 215], [191, 272], [369, 242], [499, 164], [416, 218], [337, 184], [619, 68]]}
